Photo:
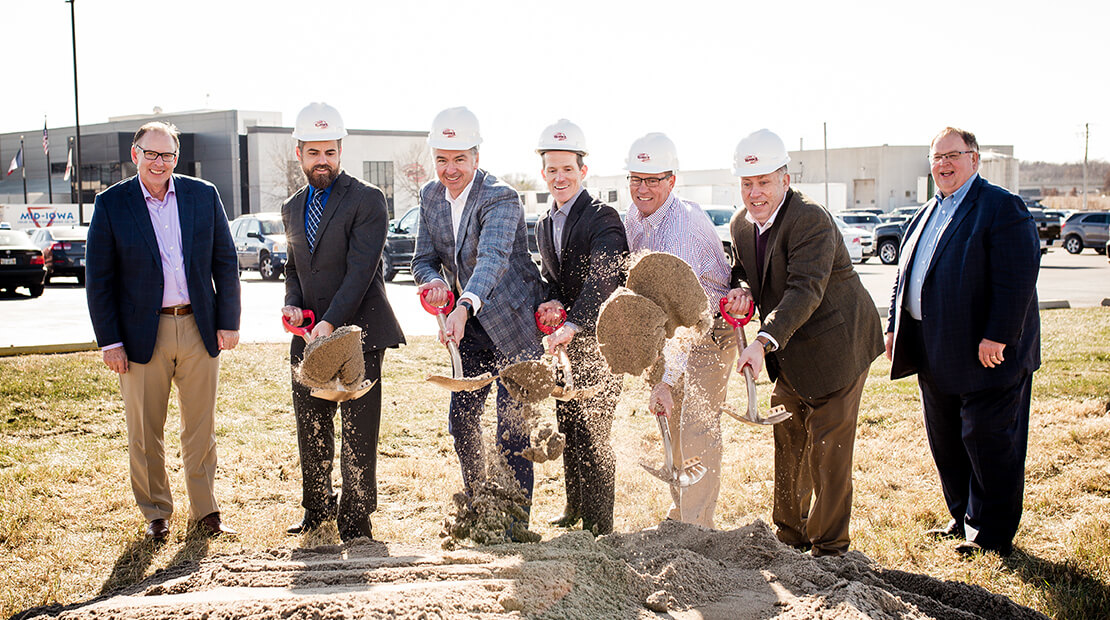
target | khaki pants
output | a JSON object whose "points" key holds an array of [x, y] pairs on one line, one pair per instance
{"points": [[813, 466], [696, 422], [180, 356]]}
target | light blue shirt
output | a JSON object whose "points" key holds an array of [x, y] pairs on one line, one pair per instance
{"points": [[927, 243]]}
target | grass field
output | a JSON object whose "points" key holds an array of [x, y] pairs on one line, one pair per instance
{"points": [[69, 530]]}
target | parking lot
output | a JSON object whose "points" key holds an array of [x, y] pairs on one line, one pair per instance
{"points": [[60, 315]]}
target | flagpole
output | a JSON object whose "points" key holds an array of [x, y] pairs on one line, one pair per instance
{"points": [[76, 113], [23, 169], [46, 150]]}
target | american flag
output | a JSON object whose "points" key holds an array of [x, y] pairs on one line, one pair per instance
{"points": [[45, 139]]}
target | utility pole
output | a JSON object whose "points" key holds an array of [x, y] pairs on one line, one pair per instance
{"points": [[23, 169], [1086, 140], [46, 151], [825, 135], [76, 113]]}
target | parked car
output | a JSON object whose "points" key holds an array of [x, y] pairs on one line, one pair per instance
{"points": [[906, 212], [863, 210], [400, 241], [721, 216], [21, 263], [866, 221], [260, 243], [1086, 229], [63, 249], [854, 240], [1048, 226], [888, 241]]}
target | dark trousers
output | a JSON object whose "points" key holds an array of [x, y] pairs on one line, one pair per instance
{"points": [[813, 466], [358, 459], [464, 419], [979, 442], [589, 466]]}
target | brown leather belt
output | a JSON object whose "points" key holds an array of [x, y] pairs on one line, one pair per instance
{"points": [[177, 310]]}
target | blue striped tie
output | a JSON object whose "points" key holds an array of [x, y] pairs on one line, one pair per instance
{"points": [[312, 222]]}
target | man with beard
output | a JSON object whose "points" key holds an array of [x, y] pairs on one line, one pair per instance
{"points": [[583, 252], [336, 229]]}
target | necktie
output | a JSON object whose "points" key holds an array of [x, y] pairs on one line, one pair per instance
{"points": [[558, 221], [312, 220]]}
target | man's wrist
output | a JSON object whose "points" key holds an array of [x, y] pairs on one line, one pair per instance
{"points": [[766, 343], [467, 306]]}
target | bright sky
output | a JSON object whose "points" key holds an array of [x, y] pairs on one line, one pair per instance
{"points": [[706, 73]]}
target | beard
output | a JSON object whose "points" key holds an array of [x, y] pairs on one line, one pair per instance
{"points": [[321, 177]]}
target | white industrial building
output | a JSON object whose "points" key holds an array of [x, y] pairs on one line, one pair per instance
{"points": [[247, 155], [886, 177]]}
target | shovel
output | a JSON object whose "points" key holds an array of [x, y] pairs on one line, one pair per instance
{"points": [[564, 379], [457, 382], [338, 393], [778, 413], [691, 470]]}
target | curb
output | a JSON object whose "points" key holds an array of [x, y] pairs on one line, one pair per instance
{"points": [[1054, 304], [72, 347]]}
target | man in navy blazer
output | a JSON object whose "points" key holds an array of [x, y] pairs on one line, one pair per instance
{"points": [[964, 317], [473, 241], [162, 281]]}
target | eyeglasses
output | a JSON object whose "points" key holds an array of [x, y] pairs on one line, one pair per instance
{"points": [[953, 156], [652, 182], [169, 158]]}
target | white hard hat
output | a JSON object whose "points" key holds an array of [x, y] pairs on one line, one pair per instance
{"points": [[653, 153], [761, 152], [562, 136], [454, 129], [319, 121]]}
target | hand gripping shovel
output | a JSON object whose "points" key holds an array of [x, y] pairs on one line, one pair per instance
{"points": [[339, 392], [778, 413], [564, 379], [456, 382], [691, 470]]}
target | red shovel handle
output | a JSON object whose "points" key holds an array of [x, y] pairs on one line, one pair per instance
{"points": [[308, 315], [733, 321], [444, 309], [547, 329]]}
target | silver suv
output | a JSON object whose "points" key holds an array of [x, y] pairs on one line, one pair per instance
{"points": [[1086, 229], [260, 243]]}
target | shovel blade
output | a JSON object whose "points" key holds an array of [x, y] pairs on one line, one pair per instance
{"points": [[777, 414]]}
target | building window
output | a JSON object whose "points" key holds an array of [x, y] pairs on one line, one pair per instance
{"points": [[380, 173]]}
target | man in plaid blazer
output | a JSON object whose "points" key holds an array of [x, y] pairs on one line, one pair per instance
{"points": [[473, 242]]}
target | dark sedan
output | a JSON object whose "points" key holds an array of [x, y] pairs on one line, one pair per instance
{"points": [[21, 263], [63, 248], [888, 241]]}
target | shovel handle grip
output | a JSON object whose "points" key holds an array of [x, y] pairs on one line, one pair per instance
{"points": [[444, 309], [300, 331], [736, 321], [548, 329]]}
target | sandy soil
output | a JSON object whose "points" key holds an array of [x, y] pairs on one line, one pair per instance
{"points": [[676, 570]]}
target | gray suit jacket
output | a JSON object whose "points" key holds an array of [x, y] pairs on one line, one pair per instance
{"points": [[491, 260], [342, 280], [810, 298]]}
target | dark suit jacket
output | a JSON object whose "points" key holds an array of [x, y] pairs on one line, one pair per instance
{"points": [[809, 297], [342, 281], [593, 263], [982, 283], [123, 268]]}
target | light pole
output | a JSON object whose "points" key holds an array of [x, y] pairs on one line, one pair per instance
{"points": [[76, 113]]}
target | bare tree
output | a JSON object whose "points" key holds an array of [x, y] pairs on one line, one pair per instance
{"points": [[415, 165], [522, 181], [290, 175]]}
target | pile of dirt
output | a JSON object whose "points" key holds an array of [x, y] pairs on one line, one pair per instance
{"points": [[335, 359], [630, 331], [547, 444], [670, 282], [679, 569]]}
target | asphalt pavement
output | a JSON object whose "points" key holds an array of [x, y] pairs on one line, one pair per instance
{"points": [[60, 317]]}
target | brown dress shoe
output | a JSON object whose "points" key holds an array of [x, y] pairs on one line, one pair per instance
{"points": [[157, 530], [212, 525]]}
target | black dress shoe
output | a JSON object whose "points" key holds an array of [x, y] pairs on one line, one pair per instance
{"points": [[968, 548], [567, 520], [347, 534], [213, 526], [313, 518], [157, 530], [952, 530]]}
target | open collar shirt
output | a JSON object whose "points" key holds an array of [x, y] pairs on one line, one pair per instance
{"points": [[931, 232]]}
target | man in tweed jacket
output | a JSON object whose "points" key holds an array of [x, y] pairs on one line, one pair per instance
{"points": [[473, 242]]}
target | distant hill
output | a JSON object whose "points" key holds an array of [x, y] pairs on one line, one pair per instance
{"points": [[1033, 173]]}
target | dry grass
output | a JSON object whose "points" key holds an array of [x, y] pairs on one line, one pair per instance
{"points": [[1075, 203], [69, 530]]}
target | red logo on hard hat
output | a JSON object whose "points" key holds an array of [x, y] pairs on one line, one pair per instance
{"points": [[449, 133], [643, 157], [751, 159], [559, 135], [321, 124]]}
